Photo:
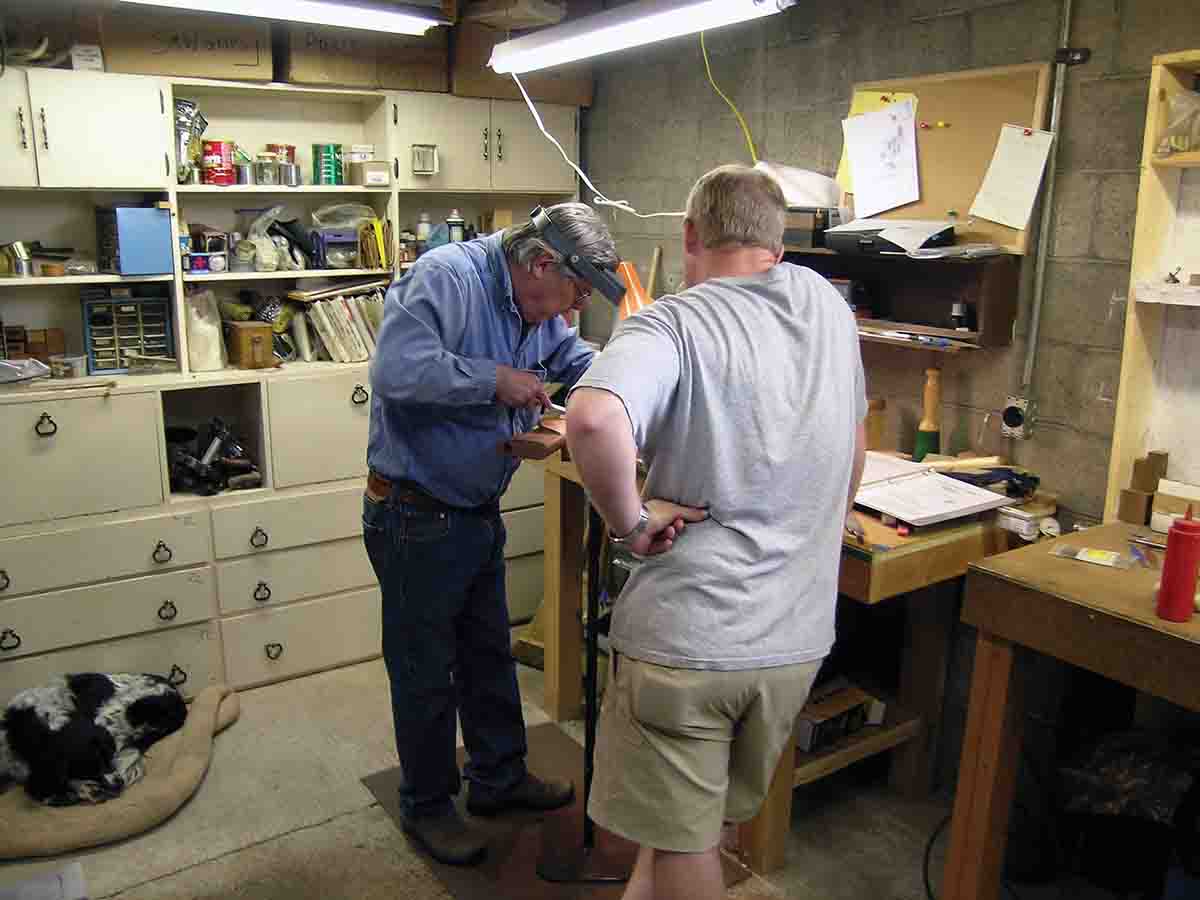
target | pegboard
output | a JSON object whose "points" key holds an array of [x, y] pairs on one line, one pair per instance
{"points": [[953, 160]]}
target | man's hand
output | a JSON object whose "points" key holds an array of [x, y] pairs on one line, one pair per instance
{"points": [[667, 521], [518, 389]]}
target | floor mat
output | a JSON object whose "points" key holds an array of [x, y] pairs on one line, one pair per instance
{"points": [[516, 840]]}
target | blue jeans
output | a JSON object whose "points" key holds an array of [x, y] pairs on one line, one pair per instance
{"points": [[447, 649]]}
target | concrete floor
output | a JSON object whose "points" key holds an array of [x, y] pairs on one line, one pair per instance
{"points": [[282, 814]]}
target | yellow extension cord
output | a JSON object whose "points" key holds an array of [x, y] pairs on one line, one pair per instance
{"points": [[741, 121]]}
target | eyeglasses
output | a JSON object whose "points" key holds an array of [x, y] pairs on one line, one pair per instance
{"points": [[583, 287]]}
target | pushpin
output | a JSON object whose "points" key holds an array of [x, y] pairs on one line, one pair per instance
{"points": [[952, 213], [903, 530], [1028, 132], [943, 124], [924, 124]]}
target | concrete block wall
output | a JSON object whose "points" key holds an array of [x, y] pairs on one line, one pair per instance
{"points": [[657, 125]]}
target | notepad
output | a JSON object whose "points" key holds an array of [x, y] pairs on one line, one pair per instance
{"points": [[916, 494]]}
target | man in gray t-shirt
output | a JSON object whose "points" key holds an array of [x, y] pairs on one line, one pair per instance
{"points": [[745, 396]]}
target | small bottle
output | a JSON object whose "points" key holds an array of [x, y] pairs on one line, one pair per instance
{"points": [[423, 227], [1177, 592], [958, 315], [455, 223]]}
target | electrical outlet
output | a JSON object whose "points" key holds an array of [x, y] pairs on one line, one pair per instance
{"points": [[1017, 419]]}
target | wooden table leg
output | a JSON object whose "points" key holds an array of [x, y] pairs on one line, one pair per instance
{"points": [[563, 598], [763, 840], [928, 644], [987, 777]]}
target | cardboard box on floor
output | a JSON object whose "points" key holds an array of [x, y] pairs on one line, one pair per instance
{"points": [[470, 76], [145, 41], [342, 57]]}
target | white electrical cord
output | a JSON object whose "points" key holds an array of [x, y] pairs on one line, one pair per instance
{"points": [[599, 199]]}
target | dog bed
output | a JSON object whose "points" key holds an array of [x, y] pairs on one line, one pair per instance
{"points": [[175, 766]]}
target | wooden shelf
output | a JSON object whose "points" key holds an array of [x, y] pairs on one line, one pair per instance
{"points": [[854, 748], [912, 344], [285, 276], [280, 189], [1178, 161], [42, 281], [1168, 294]]}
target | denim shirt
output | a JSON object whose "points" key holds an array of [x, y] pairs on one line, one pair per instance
{"points": [[447, 324]]}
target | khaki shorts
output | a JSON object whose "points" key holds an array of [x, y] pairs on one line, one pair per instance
{"points": [[680, 751]]}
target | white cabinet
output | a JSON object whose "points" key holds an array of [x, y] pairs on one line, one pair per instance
{"points": [[18, 161], [523, 159], [80, 456], [287, 519], [270, 579], [319, 428], [91, 129], [484, 145]]}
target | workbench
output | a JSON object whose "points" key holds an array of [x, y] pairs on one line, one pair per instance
{"points": [[922, 568], [1100, 619]]}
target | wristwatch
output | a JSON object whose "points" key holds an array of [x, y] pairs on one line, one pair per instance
{"points": [[642, 523]]}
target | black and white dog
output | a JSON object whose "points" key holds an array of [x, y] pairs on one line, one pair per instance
{"points": [[81, 737]]}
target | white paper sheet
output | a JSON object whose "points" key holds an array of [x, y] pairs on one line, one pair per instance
{"points": [[928, 498], [1011, 185], [66, 883], [882, 147], [882, 467]]}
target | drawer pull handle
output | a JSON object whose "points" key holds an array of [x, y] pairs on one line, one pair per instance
{"points": [[485, 143], [274, 651], [162, 553], [5, 581], [360, 395], [258, 538], [9, 639], [168, 611], [46, 426], [262, 593], [177, 677]]}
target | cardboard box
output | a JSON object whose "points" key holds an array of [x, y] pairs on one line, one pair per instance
{"points": [[196, 45], [834, 711], [470, 76], [371, 174], [311, 54], [250, 345]]}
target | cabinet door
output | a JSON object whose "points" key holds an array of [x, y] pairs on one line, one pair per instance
{"points": [[18, 164], [99, 130], [319, 428], [461, 130], [269, 579], [522, 158], [287, 519], [77, 457]]}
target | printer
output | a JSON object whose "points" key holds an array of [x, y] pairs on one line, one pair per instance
{"points": [[873, 237]]}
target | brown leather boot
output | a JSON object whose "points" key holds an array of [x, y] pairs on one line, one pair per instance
{"points": [[531, 793], [448, 838]]}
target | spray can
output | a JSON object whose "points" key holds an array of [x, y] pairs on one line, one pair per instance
{"points": [[455, 223], [1177, 592]]}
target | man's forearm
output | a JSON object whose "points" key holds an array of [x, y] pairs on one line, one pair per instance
{"points": [[601, 443]]}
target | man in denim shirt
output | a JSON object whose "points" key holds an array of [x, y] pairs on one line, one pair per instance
{"points": [[470, 338]]}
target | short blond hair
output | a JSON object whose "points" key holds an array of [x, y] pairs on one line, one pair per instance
{"points": [[738, 206]]}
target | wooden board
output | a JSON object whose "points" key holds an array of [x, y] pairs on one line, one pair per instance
{"points": [[953, 160]]}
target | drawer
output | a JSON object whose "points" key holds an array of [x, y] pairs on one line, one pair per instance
{"points": [[527, 488], [526, 531], [192, 652], [37, 623], [108, 547], [79, 456], [268, 579], [319, 428], [291, 520], [523, 585], [307, 637]]}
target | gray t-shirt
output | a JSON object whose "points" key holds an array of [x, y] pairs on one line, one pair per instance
{"points": [[744, 395]]}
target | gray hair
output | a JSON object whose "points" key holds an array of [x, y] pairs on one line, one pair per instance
{"points": [[578, 222], [738, 206]]}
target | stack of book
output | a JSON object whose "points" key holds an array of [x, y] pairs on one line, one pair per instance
{"points": [[344, 328]]}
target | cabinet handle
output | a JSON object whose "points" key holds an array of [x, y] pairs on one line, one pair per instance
{"points": [[395, 115], [360, 395], [500, 145], [45, 133], [274, 651], [396, 165], [162, 553], [177, 677], [9, 640], [162, 103], [21, 123], [46, 426], [485, 143], [262, 593], [167, 164], [5, 581], [168, 611], [258, 538]]}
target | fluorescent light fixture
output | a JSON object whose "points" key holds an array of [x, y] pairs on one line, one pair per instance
{"points": [[311, 12], [632, 25]]}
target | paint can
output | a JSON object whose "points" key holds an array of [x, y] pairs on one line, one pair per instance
{"points": [[284, 152], [327, 164], [216, 162]]}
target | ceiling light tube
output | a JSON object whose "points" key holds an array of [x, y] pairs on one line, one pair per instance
{"points": [[310, 12], [632, 25]]}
